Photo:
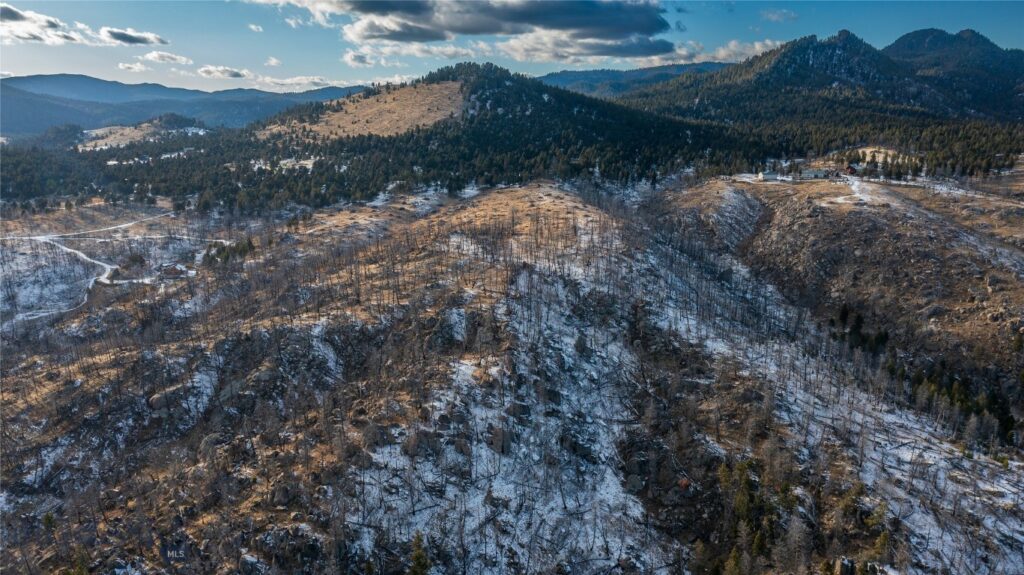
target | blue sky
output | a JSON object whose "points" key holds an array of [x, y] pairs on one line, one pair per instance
{"points": [[300, 44]]}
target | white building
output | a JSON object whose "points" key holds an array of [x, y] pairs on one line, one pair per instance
{"points": [[813, 174]]}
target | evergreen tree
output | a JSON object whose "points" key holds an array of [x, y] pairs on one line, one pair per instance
{"points": [[420, 561]]}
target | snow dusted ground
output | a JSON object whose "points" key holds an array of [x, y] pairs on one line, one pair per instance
{"points": [[516, 466], [530, 439], [50, 274], [997, 253], [40, 280], [963, 514], [960, 514]]}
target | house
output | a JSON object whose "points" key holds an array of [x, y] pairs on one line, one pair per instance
{"points": [[767, 176], [174, 271], [814, 174]]}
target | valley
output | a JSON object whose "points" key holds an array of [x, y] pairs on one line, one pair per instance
{"points": [[763, 315]]}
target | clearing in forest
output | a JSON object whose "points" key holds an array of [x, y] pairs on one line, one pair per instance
{"points": [[388, 113]]}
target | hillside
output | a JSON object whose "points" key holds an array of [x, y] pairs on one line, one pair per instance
{"points": [[820, 95], [386, 112], [599, 389], [489, 127], [610, 83], [120, 136], [976, 73], [32, 104]]}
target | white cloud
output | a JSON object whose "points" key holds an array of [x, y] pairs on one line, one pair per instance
{"points": [[393, 79], [482, 48], [255, 27], [357, 59], [133, 67], [272, 61], [164, 58], [224, 72], [272, 83], [736, 51], [381, 53], [18, 26], [128, 37], [694, 52], [781, 15], [556, 46], [538, 30], [297, 82], [321, 10], [27, 26]]}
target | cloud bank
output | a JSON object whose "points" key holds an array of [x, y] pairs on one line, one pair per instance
{"points": [[28, 26], [577, 29]]}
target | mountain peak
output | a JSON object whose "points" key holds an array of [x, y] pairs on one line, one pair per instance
{"points": [[920, 42], [845, 35], [976, 38]]}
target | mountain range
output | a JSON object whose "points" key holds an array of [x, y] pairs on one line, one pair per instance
{"points": [[608, 83], [928, 72], [31, 104], [960, 75]]}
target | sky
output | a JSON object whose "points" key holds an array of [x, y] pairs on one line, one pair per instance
{"points": [[288, 45]]}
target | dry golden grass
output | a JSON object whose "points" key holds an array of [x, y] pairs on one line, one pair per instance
{"points": [[899, 250], [385, 114], [403, 256], [95, 215], [998, 216], [879, 151], [1009, 184], [118, 136]]}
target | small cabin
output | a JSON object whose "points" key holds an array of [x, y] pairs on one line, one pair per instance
{"points": [[767, 176], [813, 174], [173, 271]]}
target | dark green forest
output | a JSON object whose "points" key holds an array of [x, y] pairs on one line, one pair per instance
{"points": [[512, 129]]}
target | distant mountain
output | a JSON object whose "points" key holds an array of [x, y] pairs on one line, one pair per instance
{"points": [[972, 70], [31, 104], [843, 77], [610, 83], [460, 125], [89, 89]]}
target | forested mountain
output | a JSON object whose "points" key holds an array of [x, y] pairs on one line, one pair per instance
{"points": [[31, 104], [968, 67], [815, 96], [808, 97], [608, 83], [511, 129]]}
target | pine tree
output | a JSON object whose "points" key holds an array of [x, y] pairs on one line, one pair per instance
{"points": [[881, 548], [732, 565], [420, 560]]}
